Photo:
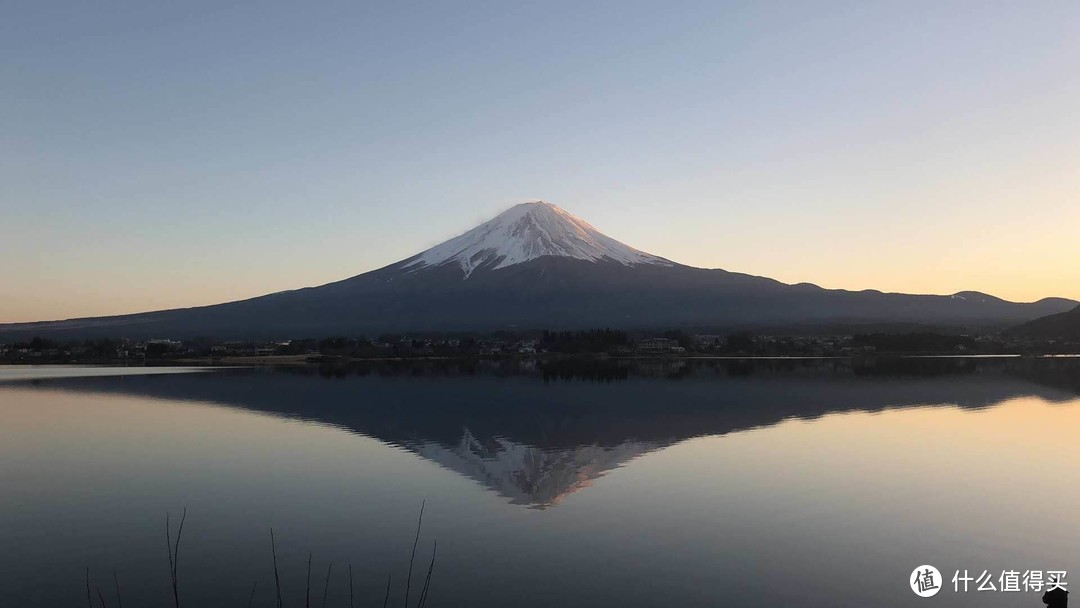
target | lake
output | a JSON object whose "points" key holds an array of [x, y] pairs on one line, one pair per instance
{"points": [[662, 483]]}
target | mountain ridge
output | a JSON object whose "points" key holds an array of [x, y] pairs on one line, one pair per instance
{"points": [[526, 232], [1062, 325], [537, 266]]}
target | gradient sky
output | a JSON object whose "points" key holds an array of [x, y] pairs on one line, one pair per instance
{"points": [[157, 154]]}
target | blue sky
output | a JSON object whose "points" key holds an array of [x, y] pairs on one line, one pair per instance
{"points": [[171, 154]]}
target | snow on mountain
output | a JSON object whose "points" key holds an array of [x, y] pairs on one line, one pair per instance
{"points": [[528, 475], [526, 232]]}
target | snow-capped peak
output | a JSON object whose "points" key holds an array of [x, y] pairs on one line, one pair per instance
{"points": [[529, 231]]}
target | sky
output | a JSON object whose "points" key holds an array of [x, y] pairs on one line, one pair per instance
{"points": [[165, 154]]}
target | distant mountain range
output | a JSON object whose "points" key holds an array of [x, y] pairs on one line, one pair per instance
{"points": [[539, 266], [1062, 326]]}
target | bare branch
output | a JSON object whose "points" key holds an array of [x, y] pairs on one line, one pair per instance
{"points": [[427, 581], [326, 587], [116, 582], [277, 579], [174, 554], [412, 556], [350, 587], [307, 593]]}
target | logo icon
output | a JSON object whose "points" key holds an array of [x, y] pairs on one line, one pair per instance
{"points": [[925, 581]]}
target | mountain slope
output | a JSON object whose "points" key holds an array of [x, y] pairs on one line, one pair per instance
{"points": [[526, 232], [1061, 326], [538, 266]]}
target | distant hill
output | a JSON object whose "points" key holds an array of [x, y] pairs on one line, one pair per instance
{"points": [[1061, 326], [539, 266]]}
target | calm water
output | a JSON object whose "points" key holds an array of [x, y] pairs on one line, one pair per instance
{"points": [[784, 483]]}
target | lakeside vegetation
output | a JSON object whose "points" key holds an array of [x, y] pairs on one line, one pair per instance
{"points": [[96, 597], [507, 344]]}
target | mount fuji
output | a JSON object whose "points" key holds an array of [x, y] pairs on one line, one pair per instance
{"points": [[527, 232], [539, 266]]}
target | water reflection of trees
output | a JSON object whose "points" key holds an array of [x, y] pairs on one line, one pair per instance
{"points": [[1058, 373], [537, 429]]}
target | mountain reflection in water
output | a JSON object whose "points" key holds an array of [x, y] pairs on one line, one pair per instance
{"points": [[537, 431]]}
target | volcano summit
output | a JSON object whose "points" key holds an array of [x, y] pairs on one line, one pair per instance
{"points": [[539, 266], [527, 232]]}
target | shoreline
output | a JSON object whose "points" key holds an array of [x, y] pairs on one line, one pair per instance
{"points": [[305, 360]]}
